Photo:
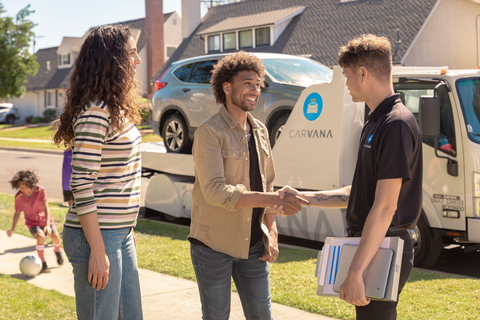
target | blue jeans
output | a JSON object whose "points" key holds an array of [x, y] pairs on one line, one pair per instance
{"points": [[214, 271], [121, 299]]}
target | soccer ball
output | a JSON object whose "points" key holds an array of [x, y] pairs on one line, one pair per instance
{"points": [[30, 265]]}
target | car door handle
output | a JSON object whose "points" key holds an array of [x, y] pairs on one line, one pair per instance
{"points": [[186, 89]]}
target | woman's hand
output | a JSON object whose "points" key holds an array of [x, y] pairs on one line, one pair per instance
{"points": [[98, 270]]}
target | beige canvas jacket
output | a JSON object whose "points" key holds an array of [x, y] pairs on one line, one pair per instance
{"points": [[222, 164]]}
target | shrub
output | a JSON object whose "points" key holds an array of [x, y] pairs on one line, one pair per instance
{"points": [[50, 114], [36, 120], [145, 110]]}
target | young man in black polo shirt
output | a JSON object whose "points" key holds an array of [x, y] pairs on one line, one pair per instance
{"points": [[385, 197]]}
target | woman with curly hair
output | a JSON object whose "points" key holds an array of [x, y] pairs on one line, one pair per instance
{"points": [[31, 199], [100, 115]]}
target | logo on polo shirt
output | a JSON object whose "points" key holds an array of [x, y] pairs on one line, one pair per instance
{"points": [[313, 106], [369, 139]]}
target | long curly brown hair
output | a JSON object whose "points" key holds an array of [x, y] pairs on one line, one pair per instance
{"points": [[102, 71], [228, 67]]}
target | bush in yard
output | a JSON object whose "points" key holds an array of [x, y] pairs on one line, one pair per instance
{"points": [[145, 110], [36, 120], [50, 114]]}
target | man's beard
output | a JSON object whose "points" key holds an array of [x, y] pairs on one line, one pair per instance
{"points": [[237, 101]]}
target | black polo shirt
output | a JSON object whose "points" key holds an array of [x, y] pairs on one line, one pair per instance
{"points": [[390, 148]]}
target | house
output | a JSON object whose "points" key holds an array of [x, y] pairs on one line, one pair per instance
{"points": [[422, 32], [47, 89]]}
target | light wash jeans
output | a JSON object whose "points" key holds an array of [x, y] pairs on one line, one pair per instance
{"points": [[214, 271], [121, 299]]}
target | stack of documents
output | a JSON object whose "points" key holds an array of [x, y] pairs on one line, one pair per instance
{"points": [[381, 276]]}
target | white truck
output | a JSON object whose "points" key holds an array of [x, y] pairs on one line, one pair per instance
{"points": [[317, 150]]}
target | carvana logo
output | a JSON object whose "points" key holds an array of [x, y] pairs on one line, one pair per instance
{"points": [[370, 138], [312, 107]]}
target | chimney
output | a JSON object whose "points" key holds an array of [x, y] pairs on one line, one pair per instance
{"points": [[154, 39], [190, 16]]}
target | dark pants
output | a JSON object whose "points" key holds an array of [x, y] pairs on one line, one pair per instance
{"points": [[386, 310]]}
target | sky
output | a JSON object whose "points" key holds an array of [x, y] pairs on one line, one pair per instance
{"points": [[58, 18]]}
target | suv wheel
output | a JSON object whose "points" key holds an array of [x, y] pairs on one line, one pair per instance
{"points": [[10, 119], [175, 134], [277, 129]]}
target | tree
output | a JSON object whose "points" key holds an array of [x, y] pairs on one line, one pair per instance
{"points": [[16, 63]]}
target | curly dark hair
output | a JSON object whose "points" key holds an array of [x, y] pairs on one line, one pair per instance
{"points": [[370, 51], [102, 71], [228, 67], [27, 176]]}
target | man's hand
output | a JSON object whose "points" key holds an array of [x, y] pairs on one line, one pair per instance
{"points": [[288, 189], [273, 242], [353, 291], [292, 203], [98, 270], [10, 232]]}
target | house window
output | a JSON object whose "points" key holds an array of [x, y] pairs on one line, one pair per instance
{"points": [[170, 51], [229, 41], [214, 43], [262, 37], [49, 99], [65, 59], [245, 38]]}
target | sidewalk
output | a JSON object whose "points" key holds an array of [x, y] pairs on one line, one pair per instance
{"points": [[163, 296]]}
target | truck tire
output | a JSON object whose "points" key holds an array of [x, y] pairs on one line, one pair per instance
{"points": [[175, 134], [428, 246], [277, 129], [10, 119]]}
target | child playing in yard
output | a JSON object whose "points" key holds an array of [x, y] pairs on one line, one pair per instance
{"points": [[31, 198]]}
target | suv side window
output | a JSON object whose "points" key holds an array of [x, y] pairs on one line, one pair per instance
{"points": [[410, 94], [183, 72], [202, 72]]}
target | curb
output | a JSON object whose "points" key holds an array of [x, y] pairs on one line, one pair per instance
{"points": [[50, 151]]}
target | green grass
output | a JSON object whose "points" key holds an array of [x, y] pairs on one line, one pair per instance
{"points": [[164, 248], [151, 137], [21, 300], [45, 133]]}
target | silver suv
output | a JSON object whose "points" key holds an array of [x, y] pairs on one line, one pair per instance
{"points": [[8, 113], [184, 99]]}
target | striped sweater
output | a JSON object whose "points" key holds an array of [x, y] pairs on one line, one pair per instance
{"points": [[106, 170]]}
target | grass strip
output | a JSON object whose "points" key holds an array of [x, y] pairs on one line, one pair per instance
{"points": [[21, 300], [164, 248]]}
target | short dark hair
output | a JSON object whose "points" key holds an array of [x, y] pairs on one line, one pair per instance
{"points": [[27, 176], [369, 51], [228, 67]]}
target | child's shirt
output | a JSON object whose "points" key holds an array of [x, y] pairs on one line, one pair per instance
{"points": [[66, 169], [32, 207]]}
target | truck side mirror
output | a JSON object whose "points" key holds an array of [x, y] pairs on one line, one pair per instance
{"points": [[429, 120]]}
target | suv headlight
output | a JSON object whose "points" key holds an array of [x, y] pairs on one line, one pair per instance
{"points": [[476, 193]]}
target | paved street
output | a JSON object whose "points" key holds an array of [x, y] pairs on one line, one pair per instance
{"points": [[47, 166]]}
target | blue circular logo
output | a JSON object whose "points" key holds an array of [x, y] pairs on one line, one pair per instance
{"points": [[312, 107], [370, 138]]}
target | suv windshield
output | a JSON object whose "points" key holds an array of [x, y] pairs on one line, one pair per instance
{"points": [[469, 94], [299, 71]]}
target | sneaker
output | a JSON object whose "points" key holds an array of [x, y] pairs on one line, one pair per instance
{"points": [[59, 258], [45, 268]]}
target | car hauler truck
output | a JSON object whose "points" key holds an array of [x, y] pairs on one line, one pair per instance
{"points": [[317, 150]]}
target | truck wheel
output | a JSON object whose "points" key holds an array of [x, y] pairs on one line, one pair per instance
{"points": [[175, 135], [10, 119], [428, 246], [277, 129]]}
